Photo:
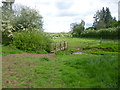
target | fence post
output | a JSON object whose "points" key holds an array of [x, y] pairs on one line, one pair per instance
{"points": [[55, 47], [65, 45], [60, 45]]}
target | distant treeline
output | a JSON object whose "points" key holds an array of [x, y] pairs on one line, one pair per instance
{"points": [[104, 26]]}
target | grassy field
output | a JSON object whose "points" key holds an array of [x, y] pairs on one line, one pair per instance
{"points": [[62, 71], [81, 42], [94, 46], [69, 71]]}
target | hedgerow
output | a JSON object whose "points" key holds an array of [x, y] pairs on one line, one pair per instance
{"points": [[109, 33]]}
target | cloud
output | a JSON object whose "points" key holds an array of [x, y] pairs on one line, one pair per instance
{"points": [[59, 14], [64, 4], [66, 13]]}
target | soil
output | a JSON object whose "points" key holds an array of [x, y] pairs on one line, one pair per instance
{"points": [[32, 55]]}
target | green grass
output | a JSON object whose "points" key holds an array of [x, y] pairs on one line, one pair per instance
{"points": [[90, 71], [66, 52], [81, 42], [68, 71], [84, 44], [4, 50], [64, 70]]}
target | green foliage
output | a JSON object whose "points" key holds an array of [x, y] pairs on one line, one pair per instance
{"points": [[6, 29], [6, 37], [32, 41], [77, 31], [110, 33], [103, 19], [23, 19], [115, 24], [27, 19], [77, 28]]}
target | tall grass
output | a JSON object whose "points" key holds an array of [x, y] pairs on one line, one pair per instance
{"points": [[90, 71]]}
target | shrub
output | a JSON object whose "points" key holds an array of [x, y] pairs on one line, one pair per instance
{"points": [[31, 41]]}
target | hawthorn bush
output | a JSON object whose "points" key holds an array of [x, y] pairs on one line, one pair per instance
{"points": [[32, 41]]}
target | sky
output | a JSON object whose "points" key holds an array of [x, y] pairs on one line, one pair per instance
{"points": [[59, 14]]}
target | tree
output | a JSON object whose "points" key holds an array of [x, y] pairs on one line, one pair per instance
{"points": [[27, 19], [99, 19], [108, 18], [77, 28], [102, 19], [23, 19], [7, 17]]}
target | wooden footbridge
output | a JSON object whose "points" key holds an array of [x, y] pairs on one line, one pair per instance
{"points": [[59, 46]]}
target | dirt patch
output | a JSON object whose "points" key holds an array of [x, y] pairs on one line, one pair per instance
{"points": [[32, 55]]}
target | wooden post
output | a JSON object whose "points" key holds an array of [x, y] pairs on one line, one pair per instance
{"points": [[55, 47], [64, 45], [60, 46]]}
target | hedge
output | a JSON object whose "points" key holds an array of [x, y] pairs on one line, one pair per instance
{"points": [[109, 33]]}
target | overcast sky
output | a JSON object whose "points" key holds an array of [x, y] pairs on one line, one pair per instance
{"points": [[59, 14]]}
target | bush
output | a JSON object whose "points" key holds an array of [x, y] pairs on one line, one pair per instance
{"points": [[31, 41], [77, 31], [109, 33]]}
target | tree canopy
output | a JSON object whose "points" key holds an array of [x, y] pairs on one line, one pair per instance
{"points": [[103, 19], [77, 28], [27, 19], [18, 20]]}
